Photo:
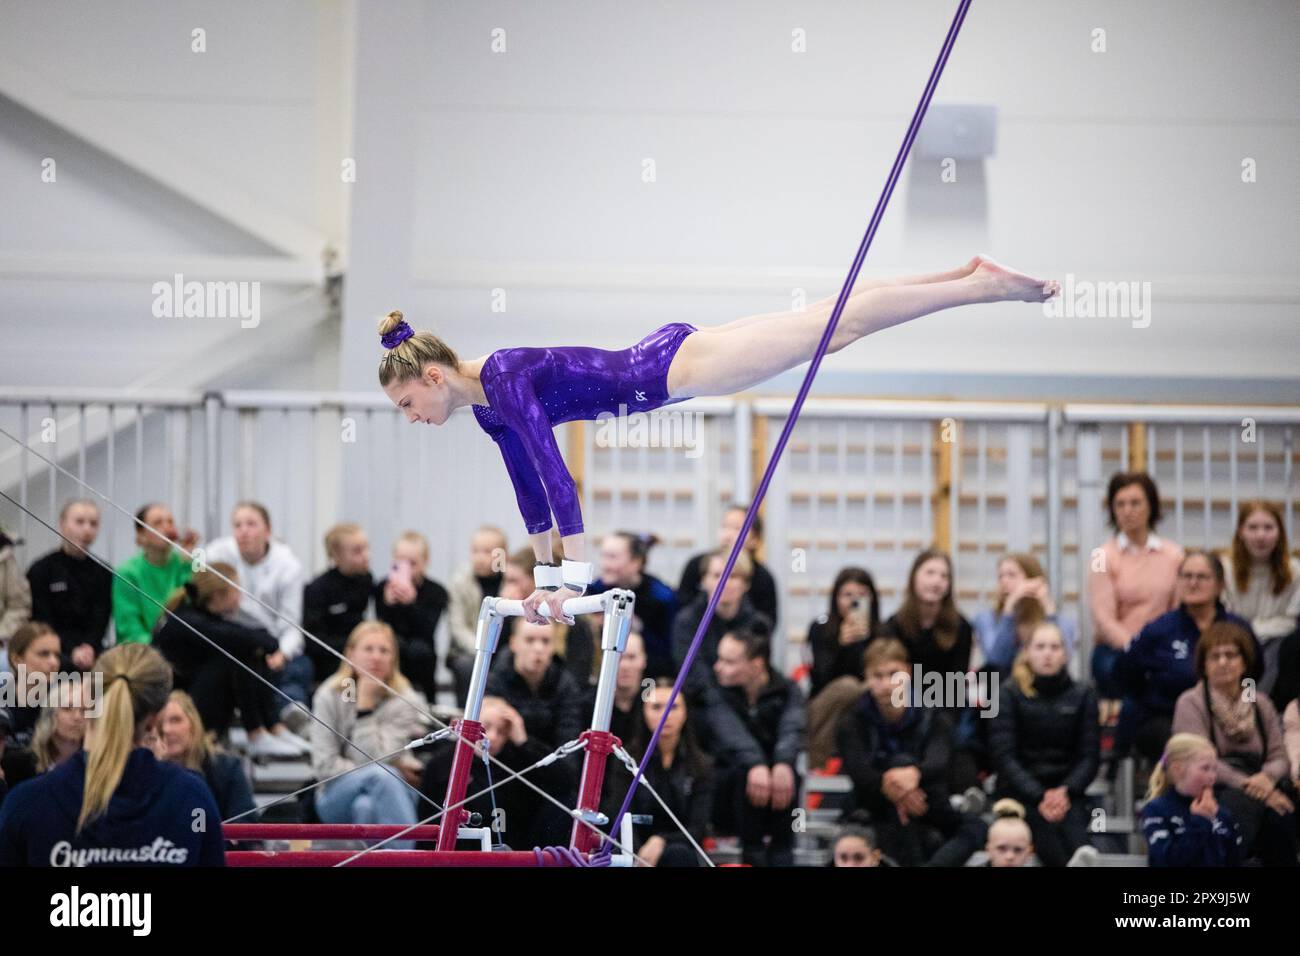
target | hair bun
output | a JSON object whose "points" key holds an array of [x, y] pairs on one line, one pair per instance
{"points": [[389, 322]]}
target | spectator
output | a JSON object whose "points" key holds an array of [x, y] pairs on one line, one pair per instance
{"points": [[336, 602], [481, 578], [1010, 839], [368, 709], [412, 604], [518, 814], [113, 802], [1182, 822], [539, 688], [272, 580], [1045, 746], [857, 846], [61, 728], [623, 558], [1262, 582], [939, 640], [756, 780], [146, 580], [762, 586], [206, 607], [34, 650], [1253, 770], [839, 636], [15, 596], [897, 756], [936, 636], [625, 721], [681, 773], [1024, 599], [575, 644], [1160, 663], [733, 612], [182, 740], [71, 591], [1132, 578]]}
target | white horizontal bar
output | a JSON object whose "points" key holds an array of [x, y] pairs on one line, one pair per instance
{"points": [[277, 270], [1194, 414], [41, 395], [588, 604], [885, 408]]}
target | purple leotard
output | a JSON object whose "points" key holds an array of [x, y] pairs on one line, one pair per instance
{"points": [[531, 390]]}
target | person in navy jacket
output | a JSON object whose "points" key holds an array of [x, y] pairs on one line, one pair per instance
{"points": [[1161, 662], [1182, 822], [114, 803]]}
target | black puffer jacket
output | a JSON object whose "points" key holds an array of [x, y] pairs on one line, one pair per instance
{"points": [[770, 732], [1041, 742]]}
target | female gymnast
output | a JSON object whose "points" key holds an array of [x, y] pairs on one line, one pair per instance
{"points": [[519, 394]]}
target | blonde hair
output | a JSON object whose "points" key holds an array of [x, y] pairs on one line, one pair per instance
{"points": [[136, 683], [409, 358], [44, 746], [396, 680], [1012, 813], [417, 539], [336, 535], [201, 748], [203, 586], [1021, 672], [1180, 749]]}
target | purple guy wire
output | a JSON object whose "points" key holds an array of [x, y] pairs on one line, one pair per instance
{"points": [[881, 204]]}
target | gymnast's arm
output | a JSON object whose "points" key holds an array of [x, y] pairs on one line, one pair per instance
{"points": [[541, 455]]}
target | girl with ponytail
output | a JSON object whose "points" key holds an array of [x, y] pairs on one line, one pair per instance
{"points": [[1182, 822], [113, 803]]}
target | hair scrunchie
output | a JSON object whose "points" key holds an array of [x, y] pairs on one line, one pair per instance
{"points": [[396, 336]]}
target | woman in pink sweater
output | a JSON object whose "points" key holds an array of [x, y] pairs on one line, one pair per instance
{"points": [[1132, 577]]}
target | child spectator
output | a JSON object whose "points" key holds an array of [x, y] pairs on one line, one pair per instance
{"points": [[756, 780], [34, 650], [336, 602], [1262, 581], [762, 586], [519, 815], [1024, 599], [207, 604], [114, 803], [1010, 841], [839, 636], [182, 740], [1253, 770], [680, 772], [1045, 746], [857, 846], [538, 687], [897, 756], [412, 604], [368, 709], [734, 612], [71, 591], [61, 729], [623, 557], [273, 579], [146, 580], [1182, 822], [481, 578]]}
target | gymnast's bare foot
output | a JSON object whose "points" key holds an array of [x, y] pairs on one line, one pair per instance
{"points": [[1007, 285]]}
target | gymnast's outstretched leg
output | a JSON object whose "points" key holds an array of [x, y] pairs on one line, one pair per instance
{"points": [[730, 358]]}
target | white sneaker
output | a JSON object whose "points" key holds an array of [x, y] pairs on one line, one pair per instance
{"points": [[270, 746], [289, 737], [1086, 855]]}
